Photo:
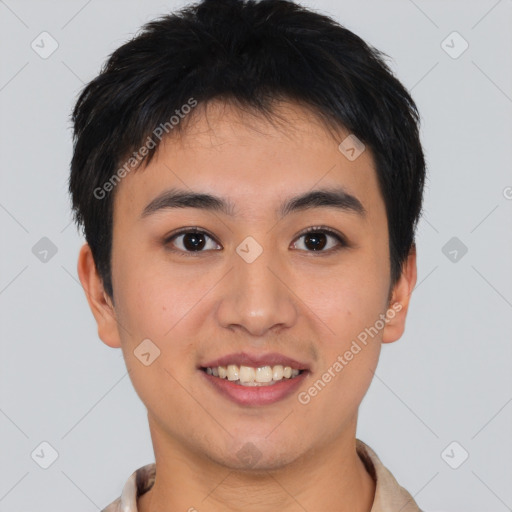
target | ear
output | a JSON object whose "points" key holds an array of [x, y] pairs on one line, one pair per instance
{"points": [[99, 302], [400, 297]]}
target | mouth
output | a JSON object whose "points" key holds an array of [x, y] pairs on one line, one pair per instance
{"points": [[254, 380]]}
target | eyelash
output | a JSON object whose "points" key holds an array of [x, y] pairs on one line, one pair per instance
{"points": [[314, 229]]}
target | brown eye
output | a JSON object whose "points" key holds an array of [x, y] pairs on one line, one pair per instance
{"points": [[191, 240], [317, 239]]}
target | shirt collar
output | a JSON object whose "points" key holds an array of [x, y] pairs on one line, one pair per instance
{"points": [[389, 496]]}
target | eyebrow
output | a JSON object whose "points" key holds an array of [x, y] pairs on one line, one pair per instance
{"points": [[325, 198]]}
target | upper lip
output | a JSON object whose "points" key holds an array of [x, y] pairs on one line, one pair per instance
{"points": [[255, 360]]}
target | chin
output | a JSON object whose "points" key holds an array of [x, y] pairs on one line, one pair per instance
{"points": [[253, 454]]}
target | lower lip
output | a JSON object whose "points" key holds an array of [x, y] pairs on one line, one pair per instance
{"points": [[255, 395]]}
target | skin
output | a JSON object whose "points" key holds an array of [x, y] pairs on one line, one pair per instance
{"points": [[309, 305]]}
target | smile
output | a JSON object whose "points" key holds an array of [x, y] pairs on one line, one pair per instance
{"points": [[251, 376], [245, 390]]}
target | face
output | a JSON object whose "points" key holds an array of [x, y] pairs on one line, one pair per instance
{"points": [[245, 283]]}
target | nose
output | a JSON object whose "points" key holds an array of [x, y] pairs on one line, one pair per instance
{"points": [[256, 297]]}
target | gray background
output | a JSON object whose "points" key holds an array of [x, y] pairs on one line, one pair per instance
{"points": [[448, 379]]}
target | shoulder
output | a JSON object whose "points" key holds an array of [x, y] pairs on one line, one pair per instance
{"points": [[389, 495], [115, 506], [139, 482]]}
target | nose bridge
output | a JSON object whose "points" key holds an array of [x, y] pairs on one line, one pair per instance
{"points": [[256, 298]]}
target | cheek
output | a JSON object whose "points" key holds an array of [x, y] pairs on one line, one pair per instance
{"points": [[350, 353], [352, 296], [350, 303], [160, 306], [152, 310], [152, 299]]}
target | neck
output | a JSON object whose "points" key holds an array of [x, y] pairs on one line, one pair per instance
{"points": [[331, 478]]}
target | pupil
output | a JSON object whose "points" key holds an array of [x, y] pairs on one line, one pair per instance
{"points": [[193, 241], [318, 240]]}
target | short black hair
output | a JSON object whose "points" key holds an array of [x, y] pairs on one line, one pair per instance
{"points": [[251, 54]]}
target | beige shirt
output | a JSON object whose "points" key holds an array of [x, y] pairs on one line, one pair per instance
{"points": [[389, 496]]}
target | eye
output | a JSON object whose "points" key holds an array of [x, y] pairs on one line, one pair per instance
{"points": [[191, 240], [316, 239], [195, 240]]}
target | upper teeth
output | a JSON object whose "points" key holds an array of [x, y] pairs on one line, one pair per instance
{"points": [[248, 374]]}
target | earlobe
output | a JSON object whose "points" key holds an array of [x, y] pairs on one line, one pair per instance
{"points": [[400, 298], [99, 301]]}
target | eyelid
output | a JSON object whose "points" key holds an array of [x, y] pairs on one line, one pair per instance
{"points": [[339, 237], [187, 229], [325, 229]]}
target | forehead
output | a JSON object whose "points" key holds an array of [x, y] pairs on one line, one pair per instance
{"points": [[252, 161]]}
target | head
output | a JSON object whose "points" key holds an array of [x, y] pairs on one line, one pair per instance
{"points": [[261, 120]]}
